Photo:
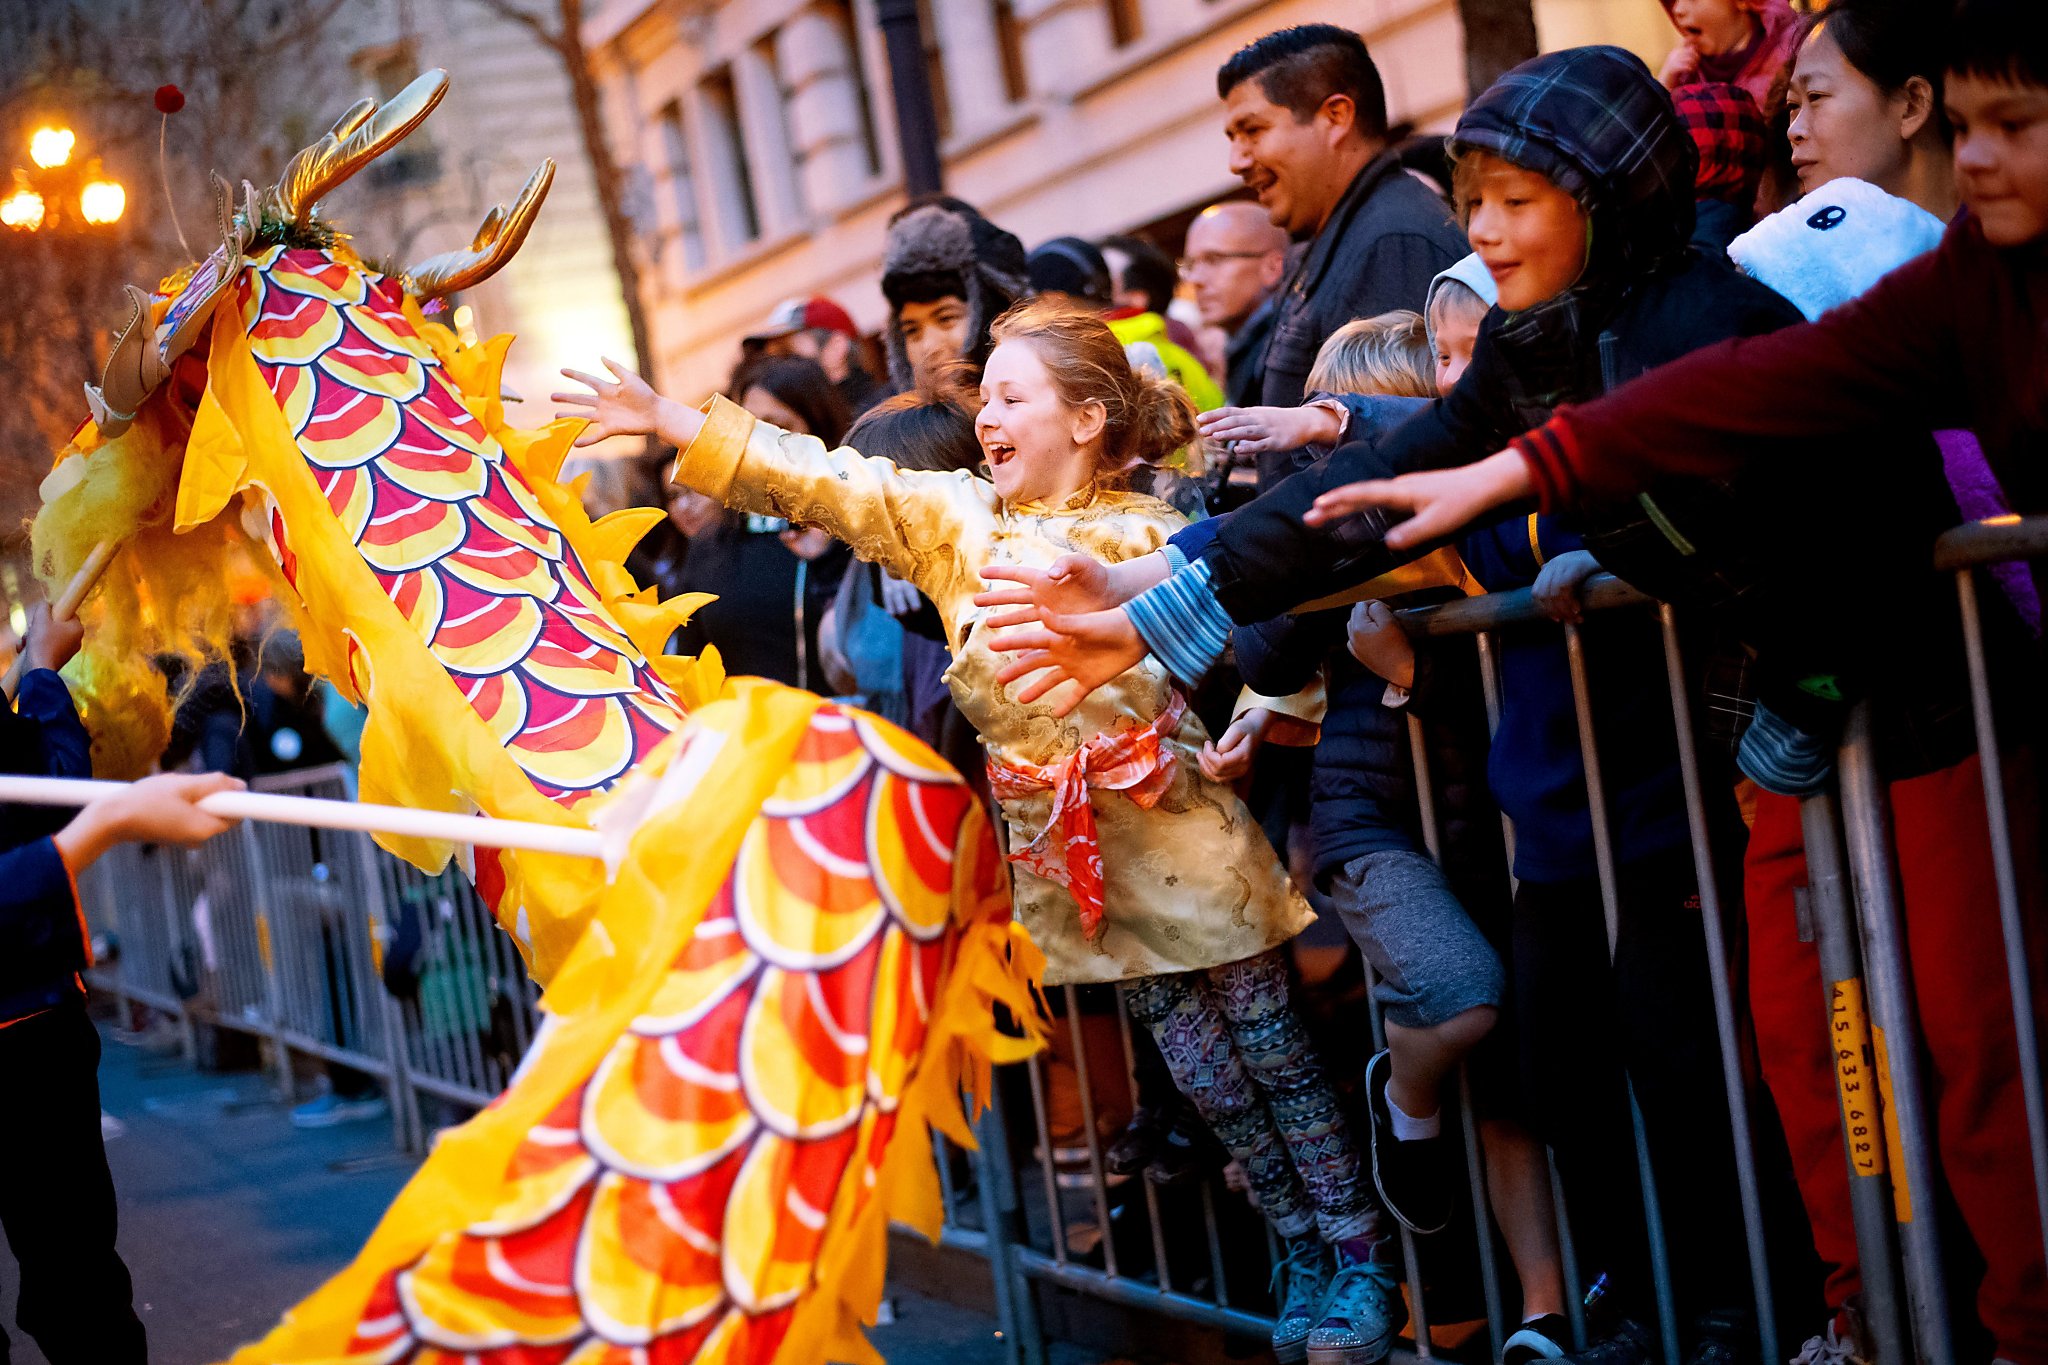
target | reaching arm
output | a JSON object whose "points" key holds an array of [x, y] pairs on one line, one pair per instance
{"points": [[1891, 351], [911, 523]]}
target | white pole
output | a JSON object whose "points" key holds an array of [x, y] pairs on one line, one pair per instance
{"points": [[476, 830]]}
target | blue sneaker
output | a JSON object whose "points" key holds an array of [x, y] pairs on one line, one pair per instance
{"points": [[327, 1110], [1363, 1313], [1301, 1281]]}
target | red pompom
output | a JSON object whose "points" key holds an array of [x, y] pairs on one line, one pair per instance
{"points": [[169, 99]]}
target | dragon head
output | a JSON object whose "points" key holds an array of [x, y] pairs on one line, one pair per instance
{"points": [[284, 405]]}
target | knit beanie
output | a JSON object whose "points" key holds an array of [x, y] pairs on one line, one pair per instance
{"points": [[1834, 243], [1728, 129], [1071, 266], [938, 246]]}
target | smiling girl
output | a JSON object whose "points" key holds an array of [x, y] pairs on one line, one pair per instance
{"points": [[1136, 862]]}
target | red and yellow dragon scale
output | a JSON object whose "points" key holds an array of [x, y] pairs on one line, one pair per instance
{"points": [[753, 1023]]}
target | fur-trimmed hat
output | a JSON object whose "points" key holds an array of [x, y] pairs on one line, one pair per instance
{"points": [[939, 246]]}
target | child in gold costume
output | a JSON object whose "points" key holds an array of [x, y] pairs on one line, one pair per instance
{"points": [[1137, 863]]}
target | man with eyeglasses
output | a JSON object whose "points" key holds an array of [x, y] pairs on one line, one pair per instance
{"points": [[1235, 258]]}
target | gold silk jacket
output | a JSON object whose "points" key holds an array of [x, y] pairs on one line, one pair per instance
{"points": [[1188, 884]]}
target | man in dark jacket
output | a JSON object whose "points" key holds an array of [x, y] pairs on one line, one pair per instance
{"points": [[1307, 123], [57, 1196]]}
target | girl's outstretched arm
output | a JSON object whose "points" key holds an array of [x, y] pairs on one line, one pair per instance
{"points": [[626, 405], [926, 528]]}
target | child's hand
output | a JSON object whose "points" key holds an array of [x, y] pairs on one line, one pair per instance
{"points": [[1443, 501], [163, 809], [1255, 431], [50, 642], [1682, 67], [629, 407], [805, 542], [1229, 756], [1376, 639], [1074, 653], [1557, 587], [898, 597], [1074, 585]]}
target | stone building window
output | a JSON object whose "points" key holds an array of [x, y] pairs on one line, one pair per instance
{"points": [[1010, 41], [731, 179], [681, 190]]}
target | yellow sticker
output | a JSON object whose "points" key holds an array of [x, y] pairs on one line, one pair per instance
{"points": [[1855, 1078], [1902, 1197], [263, 943]]}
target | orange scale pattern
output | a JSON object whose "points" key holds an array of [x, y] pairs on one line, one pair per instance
{"points": [[674, 1206], [454, 534]]}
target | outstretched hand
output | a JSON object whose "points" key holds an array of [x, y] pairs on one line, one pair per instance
{"points": [[1072, 585], [1256, 431], [1443, 502], [1229, 756], [1074, 653], [625, 405]]}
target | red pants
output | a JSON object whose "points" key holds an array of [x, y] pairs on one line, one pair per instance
{"points": [[1957, 961]]}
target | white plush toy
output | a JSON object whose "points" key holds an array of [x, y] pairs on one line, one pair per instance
{"points": [[1834, 243]]}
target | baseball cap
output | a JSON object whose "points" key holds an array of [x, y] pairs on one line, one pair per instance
{"points": [[803, 314]]}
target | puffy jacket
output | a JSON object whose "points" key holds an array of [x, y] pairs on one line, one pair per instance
{"points": [[1363, 787], [1181, 366]]}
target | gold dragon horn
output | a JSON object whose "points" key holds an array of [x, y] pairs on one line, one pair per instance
{"points": [[357, 138], [503, 230], [128, 376]]}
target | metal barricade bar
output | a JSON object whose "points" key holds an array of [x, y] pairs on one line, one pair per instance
{"points": [[293, 945]]}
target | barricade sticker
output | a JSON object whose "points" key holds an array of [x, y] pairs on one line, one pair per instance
{"points": [[1902, 1197], [1855, 1077]]}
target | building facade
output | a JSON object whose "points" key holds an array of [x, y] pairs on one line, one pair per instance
{"points": [[764, 162], [507, 109]]}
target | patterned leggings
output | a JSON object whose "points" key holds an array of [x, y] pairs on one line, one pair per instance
{"points": [[1236, 1049]]}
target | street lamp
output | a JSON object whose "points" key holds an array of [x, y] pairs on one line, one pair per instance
{"points": [[51, 147], [58, 192]]}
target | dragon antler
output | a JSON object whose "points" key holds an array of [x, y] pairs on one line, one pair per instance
{"points": [[503, 230], [357, 138]]}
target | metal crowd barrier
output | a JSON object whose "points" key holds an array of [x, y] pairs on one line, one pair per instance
{"points": [[283, 933], [328, 948]]}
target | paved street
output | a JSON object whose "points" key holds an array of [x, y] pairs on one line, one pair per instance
{"points": [[229, 1215]]}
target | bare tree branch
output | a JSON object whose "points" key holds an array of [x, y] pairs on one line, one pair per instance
{"points": [[533, 23]]}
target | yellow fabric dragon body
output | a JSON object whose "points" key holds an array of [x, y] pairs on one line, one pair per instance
{"points": [[752, 1021]]}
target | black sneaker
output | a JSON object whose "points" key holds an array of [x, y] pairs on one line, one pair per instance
{"points": [[1539, 1339], [1135, 1147], [1725, 1336], [1184, 1153], [1628, 1344], [1413, 1177]]}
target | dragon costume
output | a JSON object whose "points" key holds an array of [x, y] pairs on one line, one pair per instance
{"points": [[756, 1009]]}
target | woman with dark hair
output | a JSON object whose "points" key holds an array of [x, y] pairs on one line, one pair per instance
{"points": [[774, 582], [1865, 102]]}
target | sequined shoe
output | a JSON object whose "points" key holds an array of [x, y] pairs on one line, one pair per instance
{"points": [[1301, 1281], [1363, 1313]]}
